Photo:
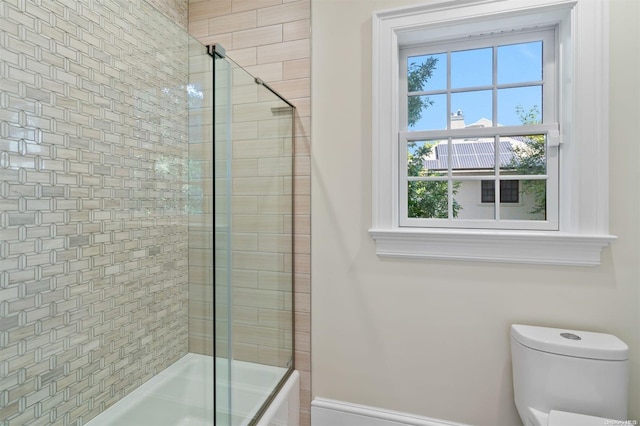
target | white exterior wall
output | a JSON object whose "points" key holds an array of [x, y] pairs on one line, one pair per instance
{"points": [[432, 337]]}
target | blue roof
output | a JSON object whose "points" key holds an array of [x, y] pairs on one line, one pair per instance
{"points": [[470, 155]]}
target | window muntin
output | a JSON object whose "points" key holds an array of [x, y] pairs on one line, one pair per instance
{"points": [[487, 109]]}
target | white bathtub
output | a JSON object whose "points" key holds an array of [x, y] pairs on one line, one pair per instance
{"points": [[182, 395]]}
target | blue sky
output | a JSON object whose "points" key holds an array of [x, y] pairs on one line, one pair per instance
{"points": [[518, 63]]}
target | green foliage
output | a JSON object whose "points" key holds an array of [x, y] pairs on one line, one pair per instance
{"points": [[418, 75], [532, 160], [427, 199]]}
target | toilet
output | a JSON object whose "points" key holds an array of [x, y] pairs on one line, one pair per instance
{"points": [[568, 377]]}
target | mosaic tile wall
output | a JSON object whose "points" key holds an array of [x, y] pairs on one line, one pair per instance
{"points": [[93, 228], [201, 231]]}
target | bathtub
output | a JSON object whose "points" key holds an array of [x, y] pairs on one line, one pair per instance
{"points": [[182, 395]]}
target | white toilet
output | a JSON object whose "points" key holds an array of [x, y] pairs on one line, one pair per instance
{"points": [[568, 377]]}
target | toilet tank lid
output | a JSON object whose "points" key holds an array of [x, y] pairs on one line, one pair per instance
{"points": [[583, 344]]}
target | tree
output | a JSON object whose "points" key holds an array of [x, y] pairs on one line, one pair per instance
{"points": [[426, 199], [531, 159], [417, 76]]}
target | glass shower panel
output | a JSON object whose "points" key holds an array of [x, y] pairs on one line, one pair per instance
{"points": [[254, 243], [200, 204]]}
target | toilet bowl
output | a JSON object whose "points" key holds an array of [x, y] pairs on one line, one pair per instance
{"points": [[568, 377]]}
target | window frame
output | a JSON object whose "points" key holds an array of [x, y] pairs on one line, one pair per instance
{"points": [[583, 98], [548, 37]]}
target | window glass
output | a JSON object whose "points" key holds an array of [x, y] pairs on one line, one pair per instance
{"points": [[472, 68], [427, 112], [519, 63], [427, 73], [515, 104]]}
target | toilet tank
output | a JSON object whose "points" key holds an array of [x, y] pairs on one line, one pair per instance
{"points": [[568, 370]]}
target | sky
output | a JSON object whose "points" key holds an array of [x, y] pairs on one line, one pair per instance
{"points": [[517, 63]]}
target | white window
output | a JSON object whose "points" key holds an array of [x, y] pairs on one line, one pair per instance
{"points": [[478, 98], [478, 111]]}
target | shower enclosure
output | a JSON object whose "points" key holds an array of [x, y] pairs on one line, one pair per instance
{"points": [[241, 135], [146, 222]]}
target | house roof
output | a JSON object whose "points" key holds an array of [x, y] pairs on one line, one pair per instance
{"points": [[470, 155]]}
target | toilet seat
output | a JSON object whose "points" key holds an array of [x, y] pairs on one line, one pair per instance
{"points": [[563, 418]]}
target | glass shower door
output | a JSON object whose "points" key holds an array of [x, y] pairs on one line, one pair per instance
{"points": [[253, 148]]}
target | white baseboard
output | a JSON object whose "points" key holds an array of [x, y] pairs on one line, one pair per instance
{"points": [[328, 412]]}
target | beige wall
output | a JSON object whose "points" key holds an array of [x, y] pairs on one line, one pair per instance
{"points": [[271, 40], [432, 337]]}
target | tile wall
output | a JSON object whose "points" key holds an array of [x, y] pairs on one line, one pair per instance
{"points": [[271, 39], [93, 229], [200, 206]]}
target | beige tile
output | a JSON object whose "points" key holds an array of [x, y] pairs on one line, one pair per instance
{"points": [[279, 243], [296, 30], [240, 5], [277, 281], [244, 57], [257, 37], [302, 282], [266, 336], [241, 278], [292, 89], [303, 360], [287, 51], [267, 72], [272, 318], [302, 341], [299, 68], [199, 28], [275, 204], [288, 12], [245, 351], [278, 166], [224, 40], [302, 263], [278, 357], [231, 23], [258, 261], [245, 205], [208, 9], [260, 299]]}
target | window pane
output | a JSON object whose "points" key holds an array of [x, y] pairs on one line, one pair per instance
{"points": [[428, 199], [426, 73], [471, 108], [472, 68], [519, 106], [427, 112], [509, 191], [532, 204], [519, 63], [467, 195], [422, 159], [523, 155], [475, 155]]}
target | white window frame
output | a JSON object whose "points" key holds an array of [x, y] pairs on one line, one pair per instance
{"points": [[583, 218], [549, 128]]}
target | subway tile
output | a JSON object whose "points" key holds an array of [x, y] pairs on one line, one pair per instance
{"points": [[232, 23], [286, 12], [257, 37]]}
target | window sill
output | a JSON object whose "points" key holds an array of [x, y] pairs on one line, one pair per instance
{"points": [[547, 248]]}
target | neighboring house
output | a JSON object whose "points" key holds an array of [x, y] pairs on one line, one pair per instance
{"points": [[476, 157]]}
